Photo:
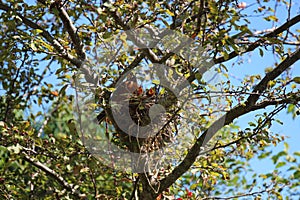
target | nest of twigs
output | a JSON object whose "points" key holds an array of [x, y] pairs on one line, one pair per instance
{"points": [[159, 131]]}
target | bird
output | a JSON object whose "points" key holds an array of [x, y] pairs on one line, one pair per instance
{"points": [[123, 92], [138, 103]]}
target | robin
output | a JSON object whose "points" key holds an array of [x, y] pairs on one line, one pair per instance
{"points": [[123, 92]]}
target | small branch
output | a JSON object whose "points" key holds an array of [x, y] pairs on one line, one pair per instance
{"points": [[94, 182], [149, 53], [68, 24], [264, 104], [40, 132], [53, 174], [134, 188], [256, 44], [296, 43], [244, 195], [237, 141], [62, 52]]}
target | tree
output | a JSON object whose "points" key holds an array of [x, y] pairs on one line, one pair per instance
{"points": [[146, 61]]}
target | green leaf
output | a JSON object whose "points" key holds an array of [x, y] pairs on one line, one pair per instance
{"points": [[280, 164], [225, 54], [297, 153], [271, 18], [198, 76], [264, 155], [276, 157], [261, 52], [63, 90], [278, 121], [286, 146], [291, 108], [297, 79], [271, 83], [169, 12], [297, 175], [194, 186], [252, 124], [268, 69], [111, 89], [39, 31], [290, 158]]}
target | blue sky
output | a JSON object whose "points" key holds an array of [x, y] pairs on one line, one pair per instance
{"points": [[255, 64]]}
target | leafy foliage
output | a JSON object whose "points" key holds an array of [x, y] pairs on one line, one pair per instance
{"points": [[45, 44]]}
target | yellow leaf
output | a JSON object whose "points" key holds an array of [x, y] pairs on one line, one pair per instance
{"points": [[39, 30], [268, 69], [271, 83], [156, 82], [33, 47], [169, 12]]}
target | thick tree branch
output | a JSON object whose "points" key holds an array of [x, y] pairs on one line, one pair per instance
{"points": [[262, 85], [251, 47], [292, 98], [226, 119]]}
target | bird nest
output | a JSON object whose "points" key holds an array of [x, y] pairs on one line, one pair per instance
{"points": [[158, 128]]}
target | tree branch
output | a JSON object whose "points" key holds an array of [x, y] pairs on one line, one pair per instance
{"points": [[256, 44], [261, 105], [79, 63], [244, 194], [149, 53], [45, 34], [53, 174], [68, 24], [262, 85], [264, 104], [226, 119]]}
